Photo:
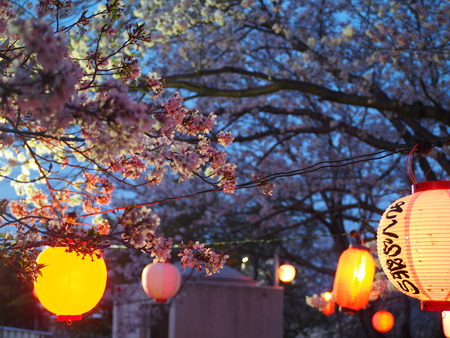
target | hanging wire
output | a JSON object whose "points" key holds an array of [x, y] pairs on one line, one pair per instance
{"points": [[328, 164], [409, 164], [357, 235], [423, 146], [247, 241]]}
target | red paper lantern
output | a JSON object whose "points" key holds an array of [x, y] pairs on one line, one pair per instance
{"points": [[383, 321], [69, 284], [329, 309], [354, 278], [161, 281], [286, 273], [413, 242]]}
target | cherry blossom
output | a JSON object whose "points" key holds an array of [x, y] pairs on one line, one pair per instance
{"points": [[72, 126]]}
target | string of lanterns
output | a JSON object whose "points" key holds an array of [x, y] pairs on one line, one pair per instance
{"points": [[412, 241]]}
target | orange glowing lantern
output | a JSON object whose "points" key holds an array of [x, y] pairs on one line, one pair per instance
{"points": [[413, 242], [286, 273], [329, 309], [354, 278], [161, 281], [383, 321], [69, 284]]}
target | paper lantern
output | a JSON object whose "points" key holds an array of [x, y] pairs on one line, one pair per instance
{"points": [[329, 309], [286, 273], [161, 281], [413, 243], [446, 323], [354, 278], [69, 284], [383, 321]]}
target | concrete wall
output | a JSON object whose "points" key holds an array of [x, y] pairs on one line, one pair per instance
{"points": [[227, 311], [201, 310]]}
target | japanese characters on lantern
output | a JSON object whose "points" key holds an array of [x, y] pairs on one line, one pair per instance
{"points": [[413, 240]]}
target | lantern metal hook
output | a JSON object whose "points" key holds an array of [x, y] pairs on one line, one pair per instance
{"points": [[69, 322], [423, 146], [356, 234]]}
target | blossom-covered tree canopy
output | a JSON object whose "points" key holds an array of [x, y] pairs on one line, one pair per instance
{"points": [[328, 100], [71, 131], [350, 87]]}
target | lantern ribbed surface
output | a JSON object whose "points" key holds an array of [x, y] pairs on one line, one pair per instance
{"points": [[161, 281], [69, 285], [413, 243], [354, 278]]}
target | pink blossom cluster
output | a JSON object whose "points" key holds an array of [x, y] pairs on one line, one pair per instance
{"points": [[379, 287], [316, 301], [156, 84], [130, 68], [225, 138], [5, 14], [195, 255], [77, 132], [265, 185], [139, 227]]}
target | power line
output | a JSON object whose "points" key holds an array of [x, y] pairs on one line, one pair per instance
{"points": [[309, 169], [247, 241]]}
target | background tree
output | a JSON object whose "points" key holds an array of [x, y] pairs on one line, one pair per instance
{"points": [[306, 82], [325, 99]]}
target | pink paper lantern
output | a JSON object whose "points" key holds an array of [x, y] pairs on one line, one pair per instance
{"points": [[161, 281]]}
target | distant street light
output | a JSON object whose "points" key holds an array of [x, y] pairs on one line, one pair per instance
{"points": [[286, 273]]}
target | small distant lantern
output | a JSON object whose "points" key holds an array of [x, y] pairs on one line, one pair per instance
{"points": [[161, 281], [414, 239], [329, 309], [69, 284], [327, 296], [286, 273], [354, 278], [383, 321]]}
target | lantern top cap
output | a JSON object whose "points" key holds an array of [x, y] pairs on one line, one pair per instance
{"points": [[359, 246], [430, 185]]}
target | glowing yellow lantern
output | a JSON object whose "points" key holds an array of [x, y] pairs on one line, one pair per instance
{"points": [[329, 309], [69, 284], [286, 273], [354, 278], [383, 321], [161, 281], [414, 244]]}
